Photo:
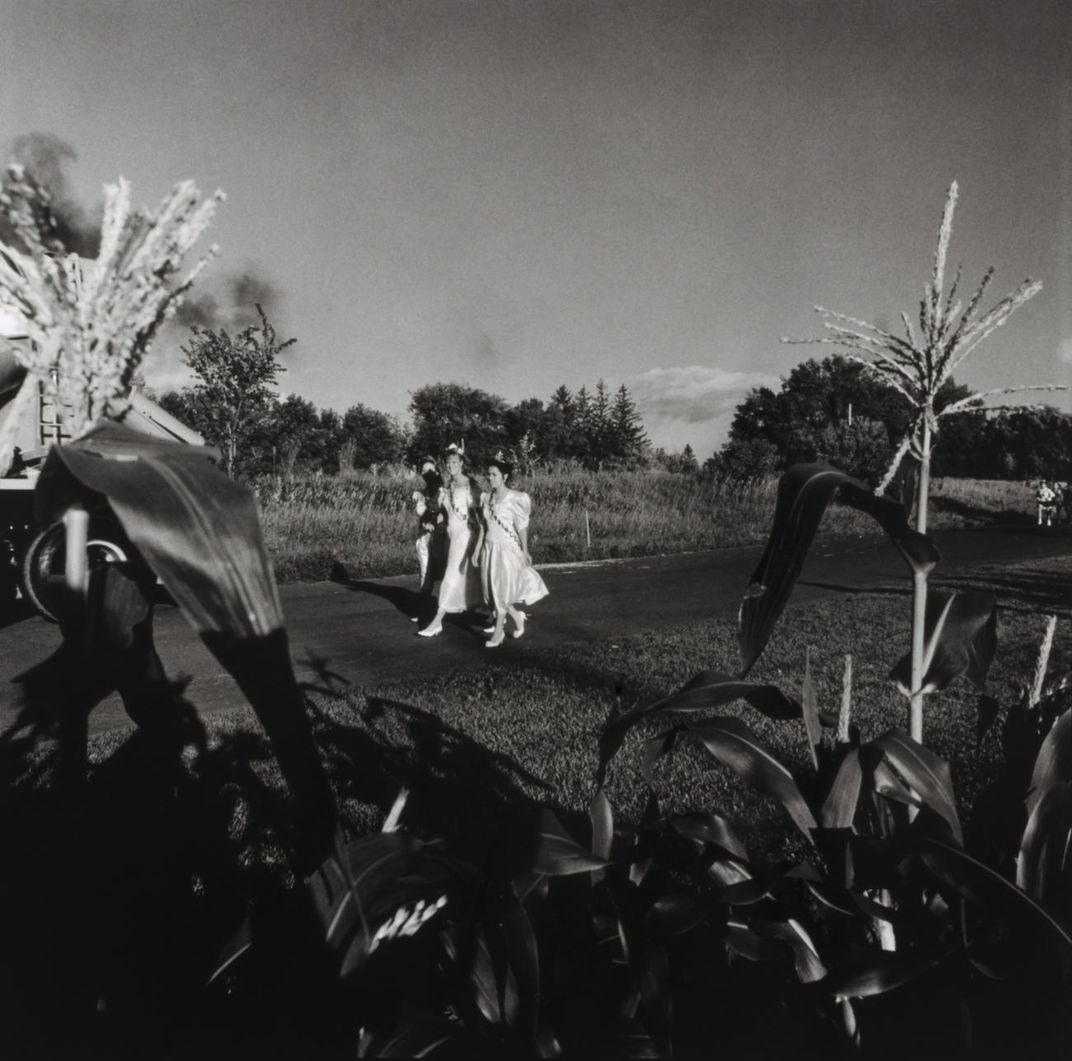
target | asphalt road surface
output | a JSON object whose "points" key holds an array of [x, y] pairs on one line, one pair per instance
{"points": [[361, 632]]}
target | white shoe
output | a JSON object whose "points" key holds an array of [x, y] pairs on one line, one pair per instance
{"points": [[519, 623], [488, 630], [430, 631], [496, 641]]}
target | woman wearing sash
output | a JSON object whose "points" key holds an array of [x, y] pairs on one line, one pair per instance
{"points": [[459, 590], [506, 572]]}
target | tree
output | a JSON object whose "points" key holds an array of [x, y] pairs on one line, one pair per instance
{"points": [[626, 438], [582, 442], [814, 415], [371, 437], [454, 412], [233, 381], [559, 432], [598, 429], [744, 461], [525, 424], [289, 429], [683, 463]]}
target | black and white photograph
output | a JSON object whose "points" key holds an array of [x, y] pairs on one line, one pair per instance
{"points": [[535, 529]]}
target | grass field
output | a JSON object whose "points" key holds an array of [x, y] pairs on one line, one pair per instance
{"points": [[365, 522]]}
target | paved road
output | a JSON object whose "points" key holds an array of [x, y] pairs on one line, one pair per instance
{"points": [[361, 631]]}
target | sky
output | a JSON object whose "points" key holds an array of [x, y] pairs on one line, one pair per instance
{"points": [[518, 194]]}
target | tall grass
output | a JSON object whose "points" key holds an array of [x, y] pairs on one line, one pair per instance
{"points": [[365, 521]]}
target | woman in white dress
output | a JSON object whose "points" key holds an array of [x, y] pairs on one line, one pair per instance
{"points": [[459, 590], [506, 572]]}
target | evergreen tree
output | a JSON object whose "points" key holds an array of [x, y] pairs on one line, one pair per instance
{"points": [[583, 431], [599, 433], [628, 439]]}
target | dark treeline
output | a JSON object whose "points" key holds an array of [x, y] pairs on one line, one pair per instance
{"points": [[834, 410], [291, 434], [233, 403]]}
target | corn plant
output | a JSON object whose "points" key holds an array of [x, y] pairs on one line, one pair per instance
{"points": [[917, 365], [90, 326], [892, 896]]}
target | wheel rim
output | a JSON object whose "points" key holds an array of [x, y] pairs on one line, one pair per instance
{"points": [[44, 562]]}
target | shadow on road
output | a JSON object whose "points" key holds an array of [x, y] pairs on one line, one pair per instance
{"points": [[409, 602]]}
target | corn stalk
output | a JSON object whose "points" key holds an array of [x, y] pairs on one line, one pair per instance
{"points": [[90, 324], [916, 366]]}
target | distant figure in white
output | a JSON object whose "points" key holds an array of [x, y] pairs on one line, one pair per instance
{"points": [[458, 501], [1046, 501], [506, 572]]}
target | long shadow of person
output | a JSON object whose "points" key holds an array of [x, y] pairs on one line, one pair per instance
{"points": [[409, 602]]}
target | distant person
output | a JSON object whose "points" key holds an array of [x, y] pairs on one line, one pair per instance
{"points": [[1046, 502], [506, 572], [1063, 502], [458, 501], [431, 530]]}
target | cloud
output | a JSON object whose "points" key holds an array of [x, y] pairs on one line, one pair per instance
{"points": [[1064, 351], [234, 308], [692, 394], [46, 158]]}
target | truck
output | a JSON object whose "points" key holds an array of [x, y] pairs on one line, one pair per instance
{"points": [[31, 555]]}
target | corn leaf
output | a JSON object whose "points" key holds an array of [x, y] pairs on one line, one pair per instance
{"points": [[742, 940], [709, 829], [601, 816], [515, 962], [200, 534], [197, 529], [981, 885], [710, 689], [804, 492], [1043, 863], [839, 808], [877, 972], [673, 914], [707, 690], [809, 966], [809, 706], [420, 1035], [960, 637], [556, 853], [926, 774], [1053, 764], [485, 982], [377, 882], [240, 943], [734, 745]]}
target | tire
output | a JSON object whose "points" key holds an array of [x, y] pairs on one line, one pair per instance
{"points": [[44, 561]]}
